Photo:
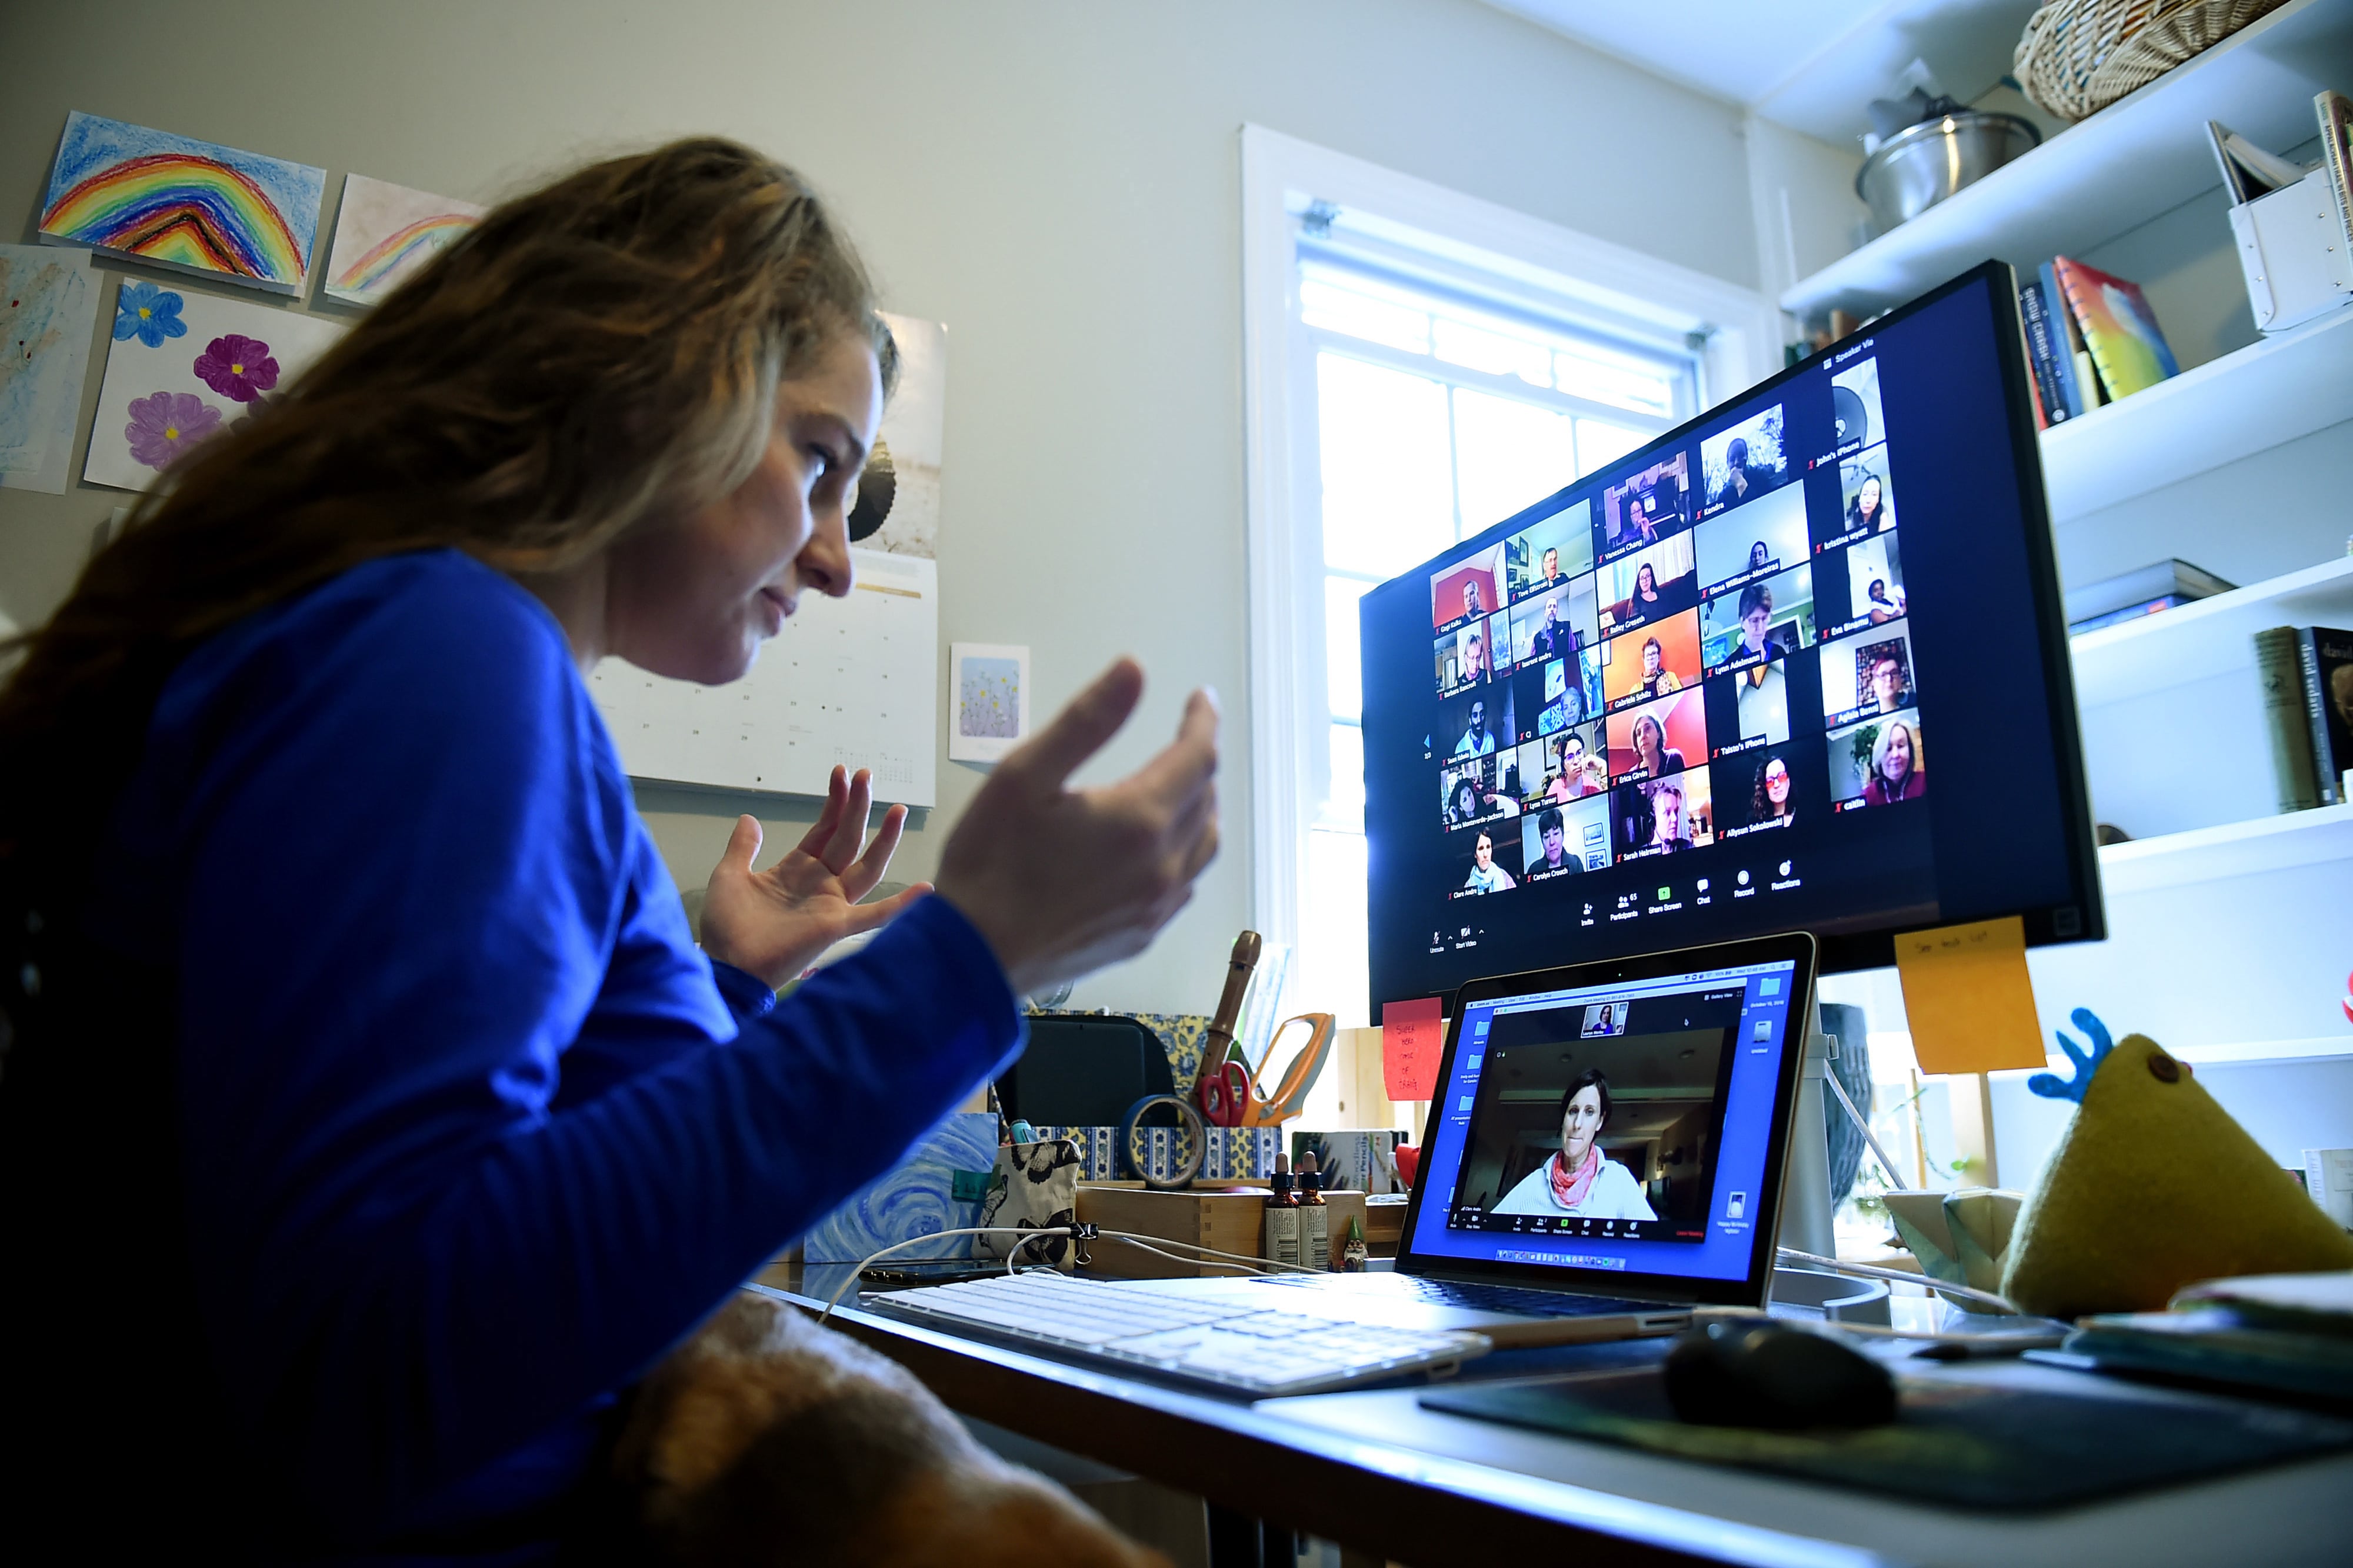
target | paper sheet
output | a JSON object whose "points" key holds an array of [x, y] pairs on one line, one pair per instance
{"points": [[1413, 1034], [1968, 998]]}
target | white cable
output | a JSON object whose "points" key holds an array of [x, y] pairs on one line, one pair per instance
{"points": [[1178, 1258], [1264, 1265], [1885, 1161], [1902, 1277], [850, 1283]]}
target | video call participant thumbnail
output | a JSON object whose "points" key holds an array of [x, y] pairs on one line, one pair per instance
{"points": [[1478, 723], [1651, 661], [1658, 738], [1878, 761], [1874, 582], [1486, 876], [1557, 694], [1868, 502], [1756, 540], [1577, 1182], [1462, 656], [1770, 618], [1551, 553], [1553, 623], [1649, 505], [1663, 816], [1867, 671], [1467, 589], [1563, 840], [1565, 767], [1657, 582], [1473, 790], [1765, 789], [1751, 707], [1742, 463], [1857, 421]]}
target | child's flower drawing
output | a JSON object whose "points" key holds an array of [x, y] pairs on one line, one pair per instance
{"points": [[238, 367], [164, 426], [151, 314]]}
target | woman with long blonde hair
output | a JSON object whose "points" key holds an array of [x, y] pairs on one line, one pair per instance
{"points": [[369, 1115]]}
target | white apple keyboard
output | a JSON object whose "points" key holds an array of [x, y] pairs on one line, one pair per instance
{"points": [[1234, 1346]]}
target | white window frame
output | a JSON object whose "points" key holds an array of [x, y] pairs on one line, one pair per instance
{"points": [[1736, 331]]}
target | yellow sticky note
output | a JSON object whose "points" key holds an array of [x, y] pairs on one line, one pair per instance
{"points": [[1969, 999]]}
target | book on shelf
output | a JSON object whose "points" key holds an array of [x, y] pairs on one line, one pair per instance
{"points": [[2074, 362], [2128, 347], [2325, 660], [2142, 590], [2279, 677], [2041, 355]]}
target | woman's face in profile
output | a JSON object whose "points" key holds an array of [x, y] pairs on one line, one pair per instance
{"points": [[693, 596], [1579, 1125]]}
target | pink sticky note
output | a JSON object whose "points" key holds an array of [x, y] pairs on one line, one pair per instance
{"points": [[1412, 1036]]}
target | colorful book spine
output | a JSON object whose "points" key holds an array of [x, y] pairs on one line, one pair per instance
{"points": [[2118, 327], [2050, 403], [2325, 660], [2279, 676], [2067, 342]]}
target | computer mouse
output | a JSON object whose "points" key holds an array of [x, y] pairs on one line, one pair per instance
{"points": [[1768, 1374]]}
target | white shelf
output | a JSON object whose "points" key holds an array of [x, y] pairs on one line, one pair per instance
{"points": [[2135, 159], [2263, 395], [2210, 638], [2298, 838]]}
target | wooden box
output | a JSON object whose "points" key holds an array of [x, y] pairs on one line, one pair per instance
{"points": [[1228, 1220]]}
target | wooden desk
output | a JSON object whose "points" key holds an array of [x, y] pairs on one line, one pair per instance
{"points": [[1382, 1477]]}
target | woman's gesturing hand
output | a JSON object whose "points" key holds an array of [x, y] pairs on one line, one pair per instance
{"points": [[775, 923], [1062, 882]]}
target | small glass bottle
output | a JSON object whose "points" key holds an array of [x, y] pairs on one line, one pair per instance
{"points": [[1315, 1217], [1282, 1235]]}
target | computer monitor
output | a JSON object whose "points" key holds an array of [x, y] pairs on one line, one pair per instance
{"points": [[1799, 665]]}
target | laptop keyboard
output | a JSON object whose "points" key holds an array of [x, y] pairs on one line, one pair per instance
{"points": [[1237, 1347], [1508, 1299]]}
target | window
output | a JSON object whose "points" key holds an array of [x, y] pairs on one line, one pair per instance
{"points": [[1411, 388]]}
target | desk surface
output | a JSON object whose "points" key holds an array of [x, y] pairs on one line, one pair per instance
{"points": [[1377, 1472]]}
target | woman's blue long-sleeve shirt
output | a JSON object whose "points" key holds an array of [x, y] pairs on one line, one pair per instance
{"points": [[468, 1133]]}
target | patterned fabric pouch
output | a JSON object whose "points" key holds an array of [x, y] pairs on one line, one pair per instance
{"points": [[1035, 1187]]}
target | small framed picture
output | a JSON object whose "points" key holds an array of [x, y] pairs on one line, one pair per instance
{"points": [[991, 717]]}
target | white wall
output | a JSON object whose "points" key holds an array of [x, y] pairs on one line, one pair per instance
{"points": [[1057, 181]]}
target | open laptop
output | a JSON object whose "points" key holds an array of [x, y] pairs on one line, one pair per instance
{"points": [[1679, 1068]]}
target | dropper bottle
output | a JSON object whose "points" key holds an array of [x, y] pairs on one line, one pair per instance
{"points": [[1281, 1243], [1314, 1216]]}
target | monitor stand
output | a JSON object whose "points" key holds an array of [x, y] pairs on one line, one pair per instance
{"points": [[1805, 1210]]}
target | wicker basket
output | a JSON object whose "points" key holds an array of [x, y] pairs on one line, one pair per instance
{"points": [[2077, 57]]}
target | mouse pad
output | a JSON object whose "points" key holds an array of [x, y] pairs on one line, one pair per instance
{"points": [[1952, 1442]]}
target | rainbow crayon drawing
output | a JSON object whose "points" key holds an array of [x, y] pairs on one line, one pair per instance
{"points": [[385, 233], [182, 203]]}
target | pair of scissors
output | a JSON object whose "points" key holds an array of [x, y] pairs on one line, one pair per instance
{"points": [[1223, 1088]]}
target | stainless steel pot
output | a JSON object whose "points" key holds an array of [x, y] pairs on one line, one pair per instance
{"points": [[1922, 164]]}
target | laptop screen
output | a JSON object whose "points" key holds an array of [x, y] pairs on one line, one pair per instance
{"points": [[1625, 1127]]}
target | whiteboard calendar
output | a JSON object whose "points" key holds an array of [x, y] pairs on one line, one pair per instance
{"points": [[852, 680]]}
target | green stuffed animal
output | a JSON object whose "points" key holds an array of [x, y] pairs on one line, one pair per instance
{"points": [[2152, 1187]]}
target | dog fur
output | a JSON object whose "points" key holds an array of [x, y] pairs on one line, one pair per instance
{"points": [[768, 1439]]}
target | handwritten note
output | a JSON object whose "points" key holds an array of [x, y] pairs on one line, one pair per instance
{"points": [[1968, 998], [1413, 1034]]}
